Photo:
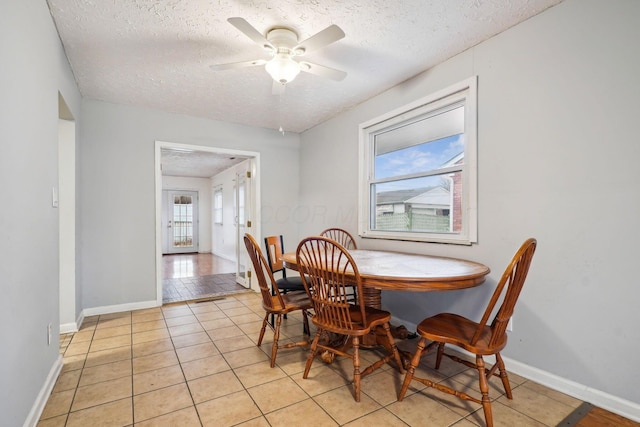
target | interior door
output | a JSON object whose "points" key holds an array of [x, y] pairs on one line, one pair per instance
{"points": [[243, 224], [181, 222]]}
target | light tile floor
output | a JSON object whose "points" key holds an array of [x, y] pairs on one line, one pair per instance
{"points": [[197, 364]]}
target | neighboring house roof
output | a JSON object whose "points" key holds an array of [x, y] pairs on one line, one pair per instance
{"points": [[420, 197], [436, 197], [399, 196]]}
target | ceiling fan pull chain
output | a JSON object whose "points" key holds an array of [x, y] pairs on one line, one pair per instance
{"points": [[280, 114]]}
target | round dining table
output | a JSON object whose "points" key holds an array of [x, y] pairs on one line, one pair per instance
{"points": [[399, 271]]}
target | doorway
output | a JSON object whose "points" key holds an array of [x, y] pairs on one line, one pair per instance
{"points": [[65, 200], [189, 160]]}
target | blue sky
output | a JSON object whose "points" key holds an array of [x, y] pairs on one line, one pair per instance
{"points": [[418, 158]]}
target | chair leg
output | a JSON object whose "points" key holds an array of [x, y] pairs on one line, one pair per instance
{"points": [[276, 337], [284, 292], [439, 355], [305, 323], [312, 353], [355, 341], [394, 348], [412, 368], [484, 388], [273, 292], [264, 327], [503, 376]]}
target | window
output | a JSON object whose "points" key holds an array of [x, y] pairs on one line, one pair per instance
{"points": [[418, 170], [217, 206]]}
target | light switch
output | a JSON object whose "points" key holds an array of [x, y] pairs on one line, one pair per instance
{"points": [[54, 197]]}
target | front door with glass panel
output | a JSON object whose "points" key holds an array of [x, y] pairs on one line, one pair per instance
{"points": [[181, 222]]}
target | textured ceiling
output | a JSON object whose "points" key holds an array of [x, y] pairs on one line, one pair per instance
{"points": [[197, 164], [157, 53]]}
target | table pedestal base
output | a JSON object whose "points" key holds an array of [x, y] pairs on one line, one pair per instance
{"points": [[373, 298]]}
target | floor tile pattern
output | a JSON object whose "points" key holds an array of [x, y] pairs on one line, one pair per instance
{"points": [[197, 364], [192, 276], [190, 288]]}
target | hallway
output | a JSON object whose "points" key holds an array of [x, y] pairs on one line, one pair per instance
{"points": [[187, 277]]}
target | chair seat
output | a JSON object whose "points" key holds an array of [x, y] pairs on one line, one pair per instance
{"points": [[374, 317], [290, 284], [293, 301], [454, 329]]}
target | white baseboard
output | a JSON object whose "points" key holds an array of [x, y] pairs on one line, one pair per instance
{"points": [[43, 396], [80, 319], [617, 405], [225, 257], [68, 328], [94, 311]]}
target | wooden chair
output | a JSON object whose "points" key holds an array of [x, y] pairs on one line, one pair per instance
{"points": [[480, 338], [328, 271], [341, 236], [277, 304], [275, 249]]}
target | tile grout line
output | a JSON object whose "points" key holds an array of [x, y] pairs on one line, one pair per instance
{"points": [[195, 407]]}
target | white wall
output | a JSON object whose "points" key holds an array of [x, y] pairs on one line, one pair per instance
{"points": [[203, 187], [34, 69], [558, 147], [117, 245]]}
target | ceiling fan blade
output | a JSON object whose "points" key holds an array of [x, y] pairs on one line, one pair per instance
{"points": [[277, 88], [235, 65], [325, 37], [322, 71], [248, 30]]}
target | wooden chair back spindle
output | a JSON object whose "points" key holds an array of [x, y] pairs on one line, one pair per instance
{"points": [[341, 236]]}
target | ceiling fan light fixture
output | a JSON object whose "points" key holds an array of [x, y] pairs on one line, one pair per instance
{"points": [[282, 68]]}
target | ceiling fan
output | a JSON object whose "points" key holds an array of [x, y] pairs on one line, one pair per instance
{"points": [[283, 46]]}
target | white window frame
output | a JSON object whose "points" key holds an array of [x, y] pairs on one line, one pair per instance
{"points": [[465, 92]]}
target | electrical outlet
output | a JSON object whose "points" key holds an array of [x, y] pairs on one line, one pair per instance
{"points": [[510, 325], [49, 327]]}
